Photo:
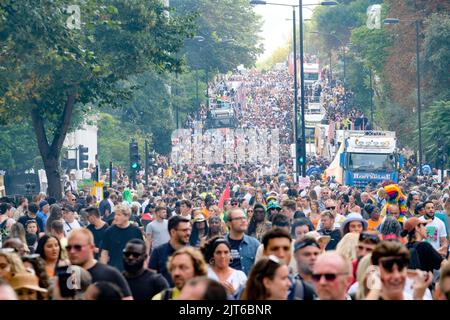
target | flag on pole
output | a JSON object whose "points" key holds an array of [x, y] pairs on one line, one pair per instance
{"points": [[225, 195]]}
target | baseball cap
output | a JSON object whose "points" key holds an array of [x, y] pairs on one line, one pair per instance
{"points": [[411, 223], [42, 204]]}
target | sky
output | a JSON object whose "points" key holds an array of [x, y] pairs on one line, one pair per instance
{"points": [[276, 29]]}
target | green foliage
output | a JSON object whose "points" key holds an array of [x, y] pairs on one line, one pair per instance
{"points": [[394, 117], [54, 71], [113, 144], [436, 125], [437, 56], [19, 148], [230, 30]]}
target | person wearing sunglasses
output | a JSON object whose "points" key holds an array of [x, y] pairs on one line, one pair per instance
{"points": [[332, 276], [144, 283], [423, 255], [80, 249], [243, 247], [390, 273]]}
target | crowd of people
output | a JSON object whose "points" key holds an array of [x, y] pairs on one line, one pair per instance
{"points": [[231, 232], [183, 237]]}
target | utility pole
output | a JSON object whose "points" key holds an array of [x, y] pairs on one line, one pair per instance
{"points": [[297, 164], [302, 92]]}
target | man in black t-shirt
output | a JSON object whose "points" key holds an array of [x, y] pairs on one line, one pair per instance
{"points": [[31, 214], [144, 283], [80, 249], [98, 228], [117, 236]]}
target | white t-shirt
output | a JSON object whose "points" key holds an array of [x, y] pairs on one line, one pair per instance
{"points": [[435, 231], [70, 226], [237, 279], [408, 291]]}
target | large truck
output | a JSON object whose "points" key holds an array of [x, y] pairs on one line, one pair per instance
{"points": [[368, 156], [311, 72]]}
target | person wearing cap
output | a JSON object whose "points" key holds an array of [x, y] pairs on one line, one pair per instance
{"points": [[70, 223], [306, 252], [273, 208], [353, 223], [199, 230], [422, 254], [419, 209], [44, 210], [27, 287], [258, 224]]}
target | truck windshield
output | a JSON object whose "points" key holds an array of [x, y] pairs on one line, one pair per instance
{"points": [[311, 76], [370, 162]]}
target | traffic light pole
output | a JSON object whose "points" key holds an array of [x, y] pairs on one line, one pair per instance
{"points": [[297, 164], [110, 174], [302, 92], [146, 162]]}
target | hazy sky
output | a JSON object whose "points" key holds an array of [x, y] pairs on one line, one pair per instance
{"points": [[276, 30]]}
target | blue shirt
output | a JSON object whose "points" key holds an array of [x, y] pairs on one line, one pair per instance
{"points": [[44, 217], [247, 252]]}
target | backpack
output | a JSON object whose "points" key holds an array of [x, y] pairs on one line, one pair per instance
{"points": [[167, 294], [303, 291], [414, 259]]}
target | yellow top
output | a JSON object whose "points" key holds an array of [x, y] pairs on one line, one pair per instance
{"points": [[175, 294]]}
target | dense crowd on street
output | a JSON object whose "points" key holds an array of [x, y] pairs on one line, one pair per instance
{"points": [[229, 232]]}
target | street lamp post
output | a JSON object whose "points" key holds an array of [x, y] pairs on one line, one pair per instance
{"points": [[419, 106], [300, 160], [297, 166]]}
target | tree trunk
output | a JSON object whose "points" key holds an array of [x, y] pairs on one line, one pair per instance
{"points": [[52, 170], [50, 153]]}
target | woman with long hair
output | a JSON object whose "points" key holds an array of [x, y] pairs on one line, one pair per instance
{"points": [[55, 214], [10, 264], [268, 280], [217, 253], [314, 214], [199, 231], [49, 249], [35, 264], [259, 223]]}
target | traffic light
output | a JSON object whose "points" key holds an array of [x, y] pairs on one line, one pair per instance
{"points": [[299, 152], [83, 157], [134, 156]]}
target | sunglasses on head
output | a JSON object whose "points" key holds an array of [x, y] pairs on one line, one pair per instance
{"points": [[388, 263], [328, 276], [129, 254], [369, 236]]}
